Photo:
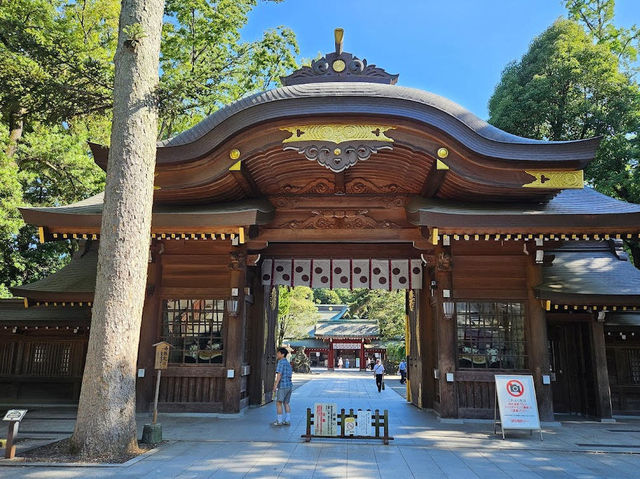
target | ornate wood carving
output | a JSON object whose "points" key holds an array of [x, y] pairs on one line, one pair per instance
{"points": [[339, 66], [362, 186], [444, 261], [317, 186], [337, 147], [339, 219], [556, 179]]}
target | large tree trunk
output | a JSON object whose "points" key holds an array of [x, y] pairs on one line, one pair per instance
{"points": [[106, 424], [16, 126]]}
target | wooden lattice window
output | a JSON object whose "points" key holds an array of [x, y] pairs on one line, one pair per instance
{"points": [[194, 329], [633, 356], [48, 359], [491, 335]]}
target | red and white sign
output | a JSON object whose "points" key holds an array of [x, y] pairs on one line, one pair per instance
{"points": [[516, 398]]}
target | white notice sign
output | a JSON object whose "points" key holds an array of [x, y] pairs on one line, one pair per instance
{"points": [[516, 399], [325, 419], [14, 414], [363, 427]]}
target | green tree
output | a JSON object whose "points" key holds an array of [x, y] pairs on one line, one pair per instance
{"points": [[296, 312], [571, 85], [206, 65], [56, 85]]}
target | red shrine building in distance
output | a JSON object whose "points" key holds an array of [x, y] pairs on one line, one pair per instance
{"points": [[343, 179]]}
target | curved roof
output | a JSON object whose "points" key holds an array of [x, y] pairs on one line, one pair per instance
{"points": [[346, 98]]}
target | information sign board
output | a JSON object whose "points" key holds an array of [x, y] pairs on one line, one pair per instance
{"points": [[326, 419], [162, 355], [349, 426], [364, 427], [14, 414], [516, 400]]}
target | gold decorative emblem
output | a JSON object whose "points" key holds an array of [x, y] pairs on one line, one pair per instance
{"points": [[568, 179], [443, 153], [412, 301], [338, 147], [338, 133], [234, 154], [273, 300], [339, 66]]}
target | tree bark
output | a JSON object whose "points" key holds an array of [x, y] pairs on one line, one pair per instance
{"points": [[106, 424], [16, 126]]}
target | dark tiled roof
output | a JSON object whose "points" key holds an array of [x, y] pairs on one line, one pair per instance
{"points": [[14, 312], [590, 278], [367, 98], [570, 208], [89, 213], [347, 328], [328, 312], [77, 280], [309, 343]]}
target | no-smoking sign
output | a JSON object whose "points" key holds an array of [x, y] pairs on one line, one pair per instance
{"points": [[515, 388]]}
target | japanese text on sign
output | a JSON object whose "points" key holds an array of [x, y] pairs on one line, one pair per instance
{"points": [[517, 402]]}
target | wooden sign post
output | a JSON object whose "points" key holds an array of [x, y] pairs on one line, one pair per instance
{"points": [[162, 362], [13, 416], [152, 433]]}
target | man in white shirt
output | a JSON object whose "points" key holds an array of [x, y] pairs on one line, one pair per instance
{"points": [[378, 372]]}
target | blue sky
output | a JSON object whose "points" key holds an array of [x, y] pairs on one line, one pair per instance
{"points": [[455, 48]]}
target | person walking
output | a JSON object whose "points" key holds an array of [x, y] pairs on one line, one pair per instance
{"points": [[378, 372], [282, 389], [402, 368], [346, 363], [340, 362]]}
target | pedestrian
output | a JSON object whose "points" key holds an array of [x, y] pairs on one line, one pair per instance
{"points": [[346, 363], [378, 372], [402, 369], [340, 362], [282, 388]]}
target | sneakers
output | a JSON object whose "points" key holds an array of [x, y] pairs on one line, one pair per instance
{"points": [[277, 424], [286, 423]]}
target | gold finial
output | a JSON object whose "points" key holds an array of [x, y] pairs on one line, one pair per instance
{"points": [[338, 33]]}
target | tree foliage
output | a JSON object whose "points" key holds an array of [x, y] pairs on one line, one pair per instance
{"points": [[205, 64], [297, 312], [387, 307], [576, 82], [56, 86]]}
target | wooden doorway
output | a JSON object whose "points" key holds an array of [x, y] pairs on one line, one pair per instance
{"points": [[571, 361]]}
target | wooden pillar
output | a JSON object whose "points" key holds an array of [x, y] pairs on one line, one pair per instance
{"points": [[446, 335], [363, 362], [538, 350], [234, 343], [331, 359], [428, 344], [269, 359], [603, 391], [150, 330], [256, 325]]}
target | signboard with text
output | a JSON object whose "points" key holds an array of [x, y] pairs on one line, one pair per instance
{"points": [[326, 419], [516, 400], [162, 355]]}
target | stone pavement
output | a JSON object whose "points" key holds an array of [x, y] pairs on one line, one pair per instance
{"points": [[201, 446]]}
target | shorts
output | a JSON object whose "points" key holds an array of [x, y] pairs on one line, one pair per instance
{"points": [[283, 395]]}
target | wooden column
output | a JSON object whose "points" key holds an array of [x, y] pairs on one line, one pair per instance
{"points": [[446, 335], [150, 330], [330, 362], [269, 359], [428, 343], [234, 342], [256, 325], [603, 391], [363, 362], [538, 350]]}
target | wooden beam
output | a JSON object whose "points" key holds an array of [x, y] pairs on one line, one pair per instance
{"points": [[339, 183], [245, 181], [434, 180]]}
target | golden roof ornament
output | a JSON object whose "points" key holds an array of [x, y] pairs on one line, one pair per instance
{"points": [[339, 66]]}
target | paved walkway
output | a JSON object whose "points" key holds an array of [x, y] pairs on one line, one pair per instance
{"points": [[246, 446]]}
